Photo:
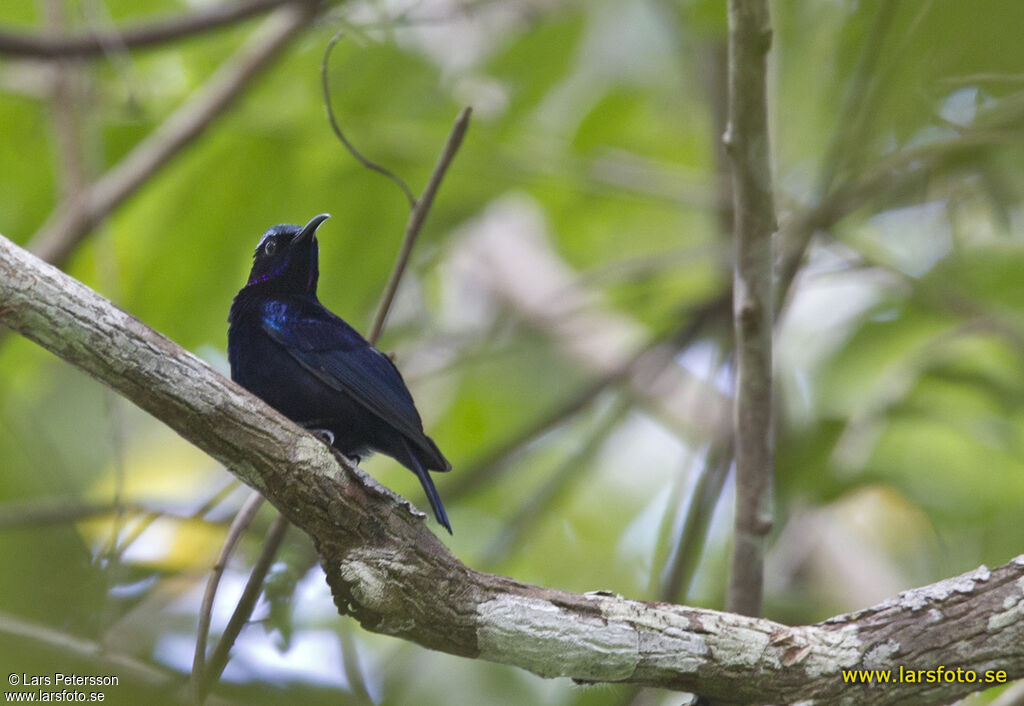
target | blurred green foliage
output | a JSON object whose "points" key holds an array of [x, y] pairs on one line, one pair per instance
{"points": [[900, 376]]}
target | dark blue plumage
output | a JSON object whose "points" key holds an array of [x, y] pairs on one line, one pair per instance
{"points": [[287, 348]]}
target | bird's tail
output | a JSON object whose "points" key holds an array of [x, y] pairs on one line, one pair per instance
{"points": [[428, 486]]}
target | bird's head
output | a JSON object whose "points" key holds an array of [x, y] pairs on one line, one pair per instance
{"points": [[287, 258]]}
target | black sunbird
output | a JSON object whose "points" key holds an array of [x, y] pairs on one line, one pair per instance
{"points": [[285, 347]]}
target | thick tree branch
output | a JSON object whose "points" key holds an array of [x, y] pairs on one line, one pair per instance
{"points": [[149, 34], [389, 571], [746, 140]]}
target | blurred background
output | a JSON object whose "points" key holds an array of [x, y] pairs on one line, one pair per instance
{"points": [[564, 325]]}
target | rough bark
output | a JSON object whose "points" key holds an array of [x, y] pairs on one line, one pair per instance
{"points": [[391, 573]]}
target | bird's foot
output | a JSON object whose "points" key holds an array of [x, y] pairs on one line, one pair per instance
{"points": [[325, 435]]}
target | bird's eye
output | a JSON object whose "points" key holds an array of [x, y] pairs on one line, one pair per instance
{"points": [[270, 247]]}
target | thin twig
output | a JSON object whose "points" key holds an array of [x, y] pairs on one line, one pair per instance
{"points": [[146, 522], [420, 209], [893, 174], [494, 462], [859, 108], [681, 565], [350, 664], [557, 482], [18, 515], [65, 113], [747, 141], [89, 650], [71, 221], [148, 34], [101, 24], [253, 588], [653, 356], [859, 101], [241, 522], [369, 164]]}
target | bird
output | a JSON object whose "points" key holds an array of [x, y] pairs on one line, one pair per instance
{"points": [[288, 349]]}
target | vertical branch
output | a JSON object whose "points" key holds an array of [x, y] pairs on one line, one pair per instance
{"points": [[64, 110], [746, 140]]}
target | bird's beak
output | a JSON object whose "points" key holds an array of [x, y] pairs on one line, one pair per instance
{"points": [[308, 230]]}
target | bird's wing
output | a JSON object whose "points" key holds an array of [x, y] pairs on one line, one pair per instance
{"points": [[342, 359]]}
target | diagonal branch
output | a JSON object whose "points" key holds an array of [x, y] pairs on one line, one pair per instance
{"points": [[94, 652], [420, 208], [73, 219], [241, 522], [389, 571], [149, 34], [158, 679], [212, 670]]}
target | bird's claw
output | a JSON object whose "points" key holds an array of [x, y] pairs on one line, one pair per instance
{"points": [[325, 435]]}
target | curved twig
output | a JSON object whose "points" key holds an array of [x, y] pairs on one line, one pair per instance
{"points": [[420, 207], [688, 543]]}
